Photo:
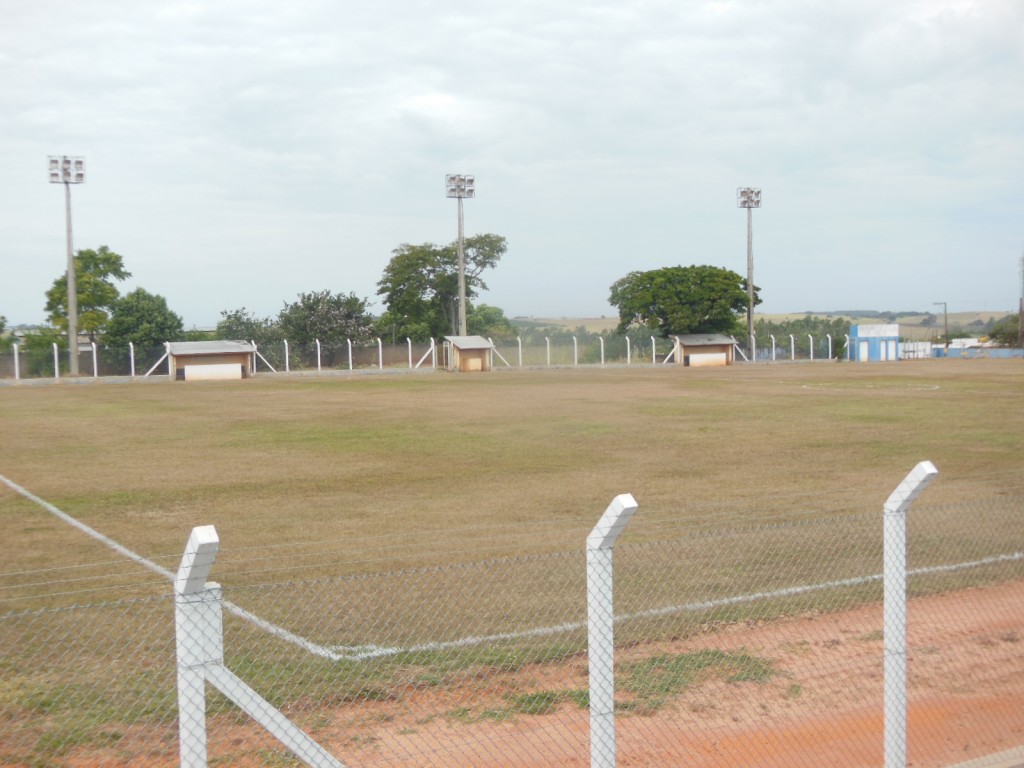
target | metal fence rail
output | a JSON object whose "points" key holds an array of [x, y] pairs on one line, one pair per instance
{"points": [[761, 645]]}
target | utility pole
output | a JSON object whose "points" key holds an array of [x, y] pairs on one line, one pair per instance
{"points": [[1020, 307], [945, 321]]}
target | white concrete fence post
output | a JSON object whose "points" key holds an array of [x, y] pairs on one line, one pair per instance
{"points": [[600, 628], [199, 636], [894, 574]]}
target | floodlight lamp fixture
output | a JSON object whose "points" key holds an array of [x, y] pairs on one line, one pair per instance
{"points": [[65, 169], [460, 185], [748, 197]]}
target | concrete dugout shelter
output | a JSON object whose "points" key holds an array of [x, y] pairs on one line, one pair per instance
{"points": [[467, 353], [192, 360], [704, 349]]}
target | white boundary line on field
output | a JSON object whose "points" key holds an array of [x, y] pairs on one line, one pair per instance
{"points": [[266, 626], [372, 652]]}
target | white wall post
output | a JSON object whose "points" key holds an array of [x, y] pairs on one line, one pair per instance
{"points": [[600, 628], [131, 358], [199, 636], [829, 336], [287, 362], [17, 370], [56, 362], [811, 344], [408, 343], [547, 342], [772, 337], [95, 366], [317, 355], [519, 342], [349, 353], [654, 352], [575, 352], [792, 347], [198, 630], [894, 556], [380, 354], [629, 355], [601, 339]]}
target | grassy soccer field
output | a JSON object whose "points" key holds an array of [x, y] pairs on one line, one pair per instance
{"points": [[428, 530], [429, 467]]}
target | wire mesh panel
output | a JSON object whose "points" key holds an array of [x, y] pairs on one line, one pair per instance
{"points": [[89, 685], [753, 646]]}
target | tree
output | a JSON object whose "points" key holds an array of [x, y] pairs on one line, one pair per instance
{"points": [[420, 285], [329, 318], [95, 273], [243, 325], [490, 322], [675, 300], [1006, 332], [143, 319]]}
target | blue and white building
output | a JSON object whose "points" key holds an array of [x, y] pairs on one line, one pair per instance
{"points": [[874, 343]]}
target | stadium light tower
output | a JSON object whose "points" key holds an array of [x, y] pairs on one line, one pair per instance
{"points": [[461, 186], [749, 198], [67, 171]]}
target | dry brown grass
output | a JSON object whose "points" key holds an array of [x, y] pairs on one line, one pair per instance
{"points": [[505, 462]]}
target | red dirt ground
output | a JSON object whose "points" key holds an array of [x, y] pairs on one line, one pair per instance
{"points": [[822, 707]]}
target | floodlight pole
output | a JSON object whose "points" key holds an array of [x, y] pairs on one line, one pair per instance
{"points": [[460, 187], [67, 171], [749, 198]]}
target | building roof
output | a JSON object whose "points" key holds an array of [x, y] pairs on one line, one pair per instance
{"points": [[210, 347], [705, 339], [469, 342]]}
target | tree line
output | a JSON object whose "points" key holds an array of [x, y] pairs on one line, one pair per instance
{"points": [[420, 293]]}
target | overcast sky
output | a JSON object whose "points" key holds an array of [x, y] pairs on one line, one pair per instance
{"points": [[242, 152]]}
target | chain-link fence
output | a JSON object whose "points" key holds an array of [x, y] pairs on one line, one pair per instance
{"points": [[754, 646]]}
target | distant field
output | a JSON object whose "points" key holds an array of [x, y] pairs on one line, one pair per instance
{"points": [[912, 327], [407, 467]]}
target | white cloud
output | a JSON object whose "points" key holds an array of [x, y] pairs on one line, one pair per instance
{"points": [[275, 148]]}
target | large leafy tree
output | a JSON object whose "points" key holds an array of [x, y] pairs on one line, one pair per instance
{"points": [[144, 319], [674, 300], [420, 285], [95, 275], [331, 318]]}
